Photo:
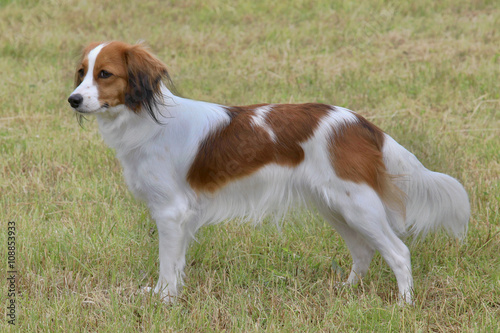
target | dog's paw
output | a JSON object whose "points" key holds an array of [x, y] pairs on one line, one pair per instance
{"points": [[165, 297], [345, 285], [406, 299], [145, 290]]}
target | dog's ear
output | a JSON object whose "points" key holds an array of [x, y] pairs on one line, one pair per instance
{"points": [[145, 74]]}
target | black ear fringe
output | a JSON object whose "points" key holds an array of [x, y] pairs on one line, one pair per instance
{"points": [[167, 80], [145, 92]]}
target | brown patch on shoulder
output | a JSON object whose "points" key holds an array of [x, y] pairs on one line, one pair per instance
{"points": [[240, 148], [229, 152], [356, 155]]}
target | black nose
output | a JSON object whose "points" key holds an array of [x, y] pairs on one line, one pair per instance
{"points": [[75, 100]]}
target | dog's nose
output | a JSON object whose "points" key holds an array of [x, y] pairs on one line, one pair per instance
{"points": [[75, 100]]}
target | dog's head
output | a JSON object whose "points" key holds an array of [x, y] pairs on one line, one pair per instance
{"points": [[113, 74]]}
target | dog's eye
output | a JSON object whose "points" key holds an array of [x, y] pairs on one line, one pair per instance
{"points": [[81, 72], [104, 74]]}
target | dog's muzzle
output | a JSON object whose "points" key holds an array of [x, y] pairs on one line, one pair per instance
{"points": [[75, 100]]}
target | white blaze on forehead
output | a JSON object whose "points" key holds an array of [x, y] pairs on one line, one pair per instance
{"points": [[259, 119], [88, 88], [91, 57]]}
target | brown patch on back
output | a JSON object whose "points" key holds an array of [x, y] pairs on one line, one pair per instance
{"points": [[356, 155], [240, 148], [293, 124]]}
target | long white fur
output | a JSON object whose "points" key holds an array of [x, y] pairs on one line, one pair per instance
{"points": [[434, 200], [156, 159]]}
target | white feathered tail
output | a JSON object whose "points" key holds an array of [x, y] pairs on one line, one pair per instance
{"points": [[433, 200]]}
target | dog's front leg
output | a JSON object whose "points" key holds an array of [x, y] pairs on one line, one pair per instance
{"points": [[174, 236]]}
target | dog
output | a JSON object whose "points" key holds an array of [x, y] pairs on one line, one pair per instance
{"points": [[196, 163]]}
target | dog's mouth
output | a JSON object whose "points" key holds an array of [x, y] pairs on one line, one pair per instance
{"points": [[80, 114], [83, 112], [78, 104]]}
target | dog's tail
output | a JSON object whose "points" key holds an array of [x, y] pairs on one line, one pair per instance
{"points": [[433, 200]]}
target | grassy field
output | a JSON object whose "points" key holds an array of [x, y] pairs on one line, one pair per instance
{"points": [[427, 73]]}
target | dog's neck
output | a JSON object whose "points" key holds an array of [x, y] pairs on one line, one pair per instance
{"points": [[182, 122]]}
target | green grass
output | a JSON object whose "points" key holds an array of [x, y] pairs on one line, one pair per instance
{"points": [[426, 72]]}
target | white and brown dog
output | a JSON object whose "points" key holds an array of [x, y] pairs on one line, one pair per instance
{"points": [[197, 163]]}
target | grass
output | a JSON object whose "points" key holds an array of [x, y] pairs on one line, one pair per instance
{"points": [[426, 72]]}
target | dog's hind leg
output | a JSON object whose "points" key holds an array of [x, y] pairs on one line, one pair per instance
{"points": [[361, 252], [367, 229]]}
